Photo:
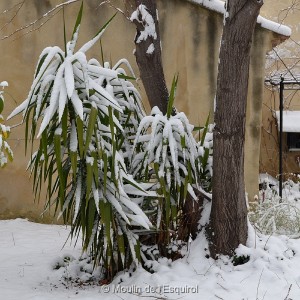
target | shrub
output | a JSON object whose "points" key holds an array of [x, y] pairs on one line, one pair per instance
{"points": [[275, 215], [86, 109], [165, 153], [111, 171]]}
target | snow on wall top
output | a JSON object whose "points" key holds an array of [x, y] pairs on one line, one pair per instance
{"points": [[290, 121], [218, 6]]}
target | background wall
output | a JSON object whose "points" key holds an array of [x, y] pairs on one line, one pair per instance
{"points": [[190, 41], [283, 60]]}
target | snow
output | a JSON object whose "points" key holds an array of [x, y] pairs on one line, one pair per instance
{"points": [[4, 84], [77, 103], [273, 215], [290, 121], [58, 131], [219, 6], [263, 177], [29, 252], [69, 77], [73, 138], [90, 160], [273, 26], [215, 5], [150, 49], [142, 16]]}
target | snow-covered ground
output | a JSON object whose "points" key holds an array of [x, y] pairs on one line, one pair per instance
{"points": [[28, 252]]}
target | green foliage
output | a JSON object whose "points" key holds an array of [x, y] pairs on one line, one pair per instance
{"points": [[240, 260], [205, 148], [105, 164], [166, 153], [273, 215]]}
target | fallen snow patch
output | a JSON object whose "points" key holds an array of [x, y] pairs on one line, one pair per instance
{"points": [[29, 253]]}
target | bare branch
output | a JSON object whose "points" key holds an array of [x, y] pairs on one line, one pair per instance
{"points": [[259, 284], [48, 14], [40, 25], [288, 10], [286, 298], [108, 2], [13, 7], [15, 14]]}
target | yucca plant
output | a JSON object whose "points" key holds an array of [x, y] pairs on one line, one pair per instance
{"points": [[132, 110], [167, 155], [88, 114], [6, 153]]}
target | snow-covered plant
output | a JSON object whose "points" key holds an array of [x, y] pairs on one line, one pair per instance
{"points": [[6, 153], [88, 114], [132, 111], [205, 149], [275, 215], [167, 155]]}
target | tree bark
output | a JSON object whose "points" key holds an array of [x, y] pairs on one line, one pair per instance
{"points": [[228, 223], [150, 64]]}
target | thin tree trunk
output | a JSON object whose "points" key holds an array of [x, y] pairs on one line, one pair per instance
{"points": [[152, 75], [150, 62], [228, 224]]}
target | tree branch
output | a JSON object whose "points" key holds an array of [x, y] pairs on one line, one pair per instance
{"points": [[48, 14]]}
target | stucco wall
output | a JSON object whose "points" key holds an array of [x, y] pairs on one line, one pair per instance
{"points": [[190, 41], [269, 155], [289, 58]]}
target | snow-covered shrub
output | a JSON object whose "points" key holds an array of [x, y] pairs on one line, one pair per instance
{"points": [[6, 153], [275, 215], [110, 171], [88, 114], [168, 156]]}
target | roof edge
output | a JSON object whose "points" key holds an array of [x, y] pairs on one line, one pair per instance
{"points": [[218, 6]]}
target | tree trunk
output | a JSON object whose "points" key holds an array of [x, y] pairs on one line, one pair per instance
{"points": [[152, 75], [150, 62], [228, 222]]}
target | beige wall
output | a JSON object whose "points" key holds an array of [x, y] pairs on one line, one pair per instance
{"points": [[289, 58], [190, 40], [269, 156]]}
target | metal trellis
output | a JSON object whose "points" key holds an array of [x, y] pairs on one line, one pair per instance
{"points": [[284, 83]]}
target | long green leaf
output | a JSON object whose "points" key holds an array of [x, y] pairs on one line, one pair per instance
{"points": [[73, 157], [89, 179], [57, 148], [64, 126], [91, 127], [172, 96], [65, 35], [79, 124], [78, 20], [204, 131], [92, 42]]}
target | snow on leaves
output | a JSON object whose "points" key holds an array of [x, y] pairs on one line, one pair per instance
{"points": [[85, 108], [171, 149]]}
